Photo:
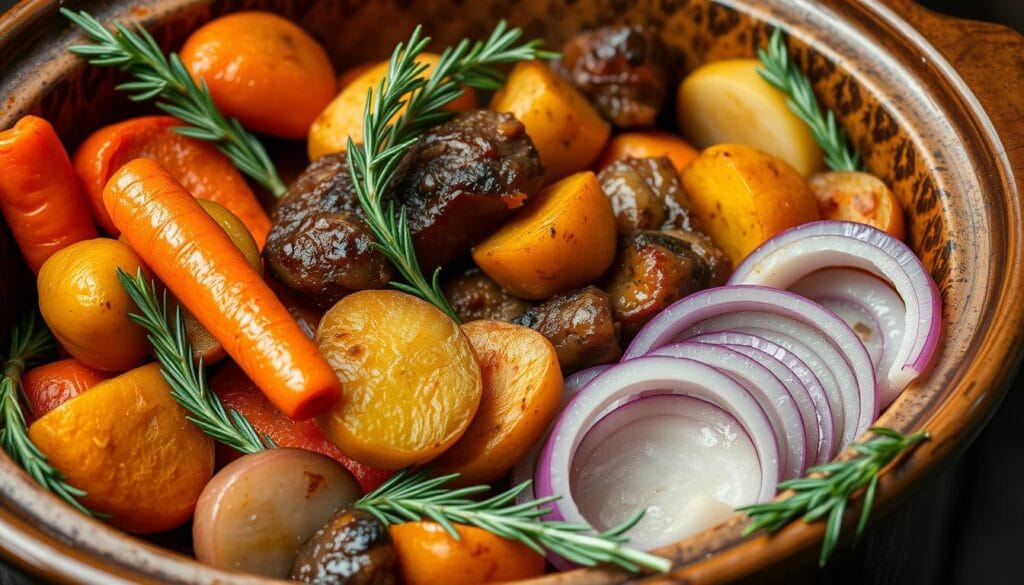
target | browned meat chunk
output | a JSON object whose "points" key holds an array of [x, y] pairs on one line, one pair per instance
{"points": [[462, 179], [318, 243], [646, 194], [655, 269], [475, 296], [354, 548], [621, 69], [580, 326]]}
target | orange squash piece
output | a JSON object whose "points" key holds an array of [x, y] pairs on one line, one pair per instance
{"points": [[130, 446], [262, 69], [428, 555]]}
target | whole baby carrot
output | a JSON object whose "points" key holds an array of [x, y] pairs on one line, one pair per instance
{"points": [[197, 261], [39, 193]]}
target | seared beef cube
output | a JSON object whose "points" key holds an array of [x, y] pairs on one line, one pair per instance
{"points": [[621, 69], [318, 243], [580, 326], [646, 194], [464, 178], [654, 270], [475, 296]]}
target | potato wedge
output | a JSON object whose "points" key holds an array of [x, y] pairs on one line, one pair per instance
{"points": [[728, 102], [343, 117], [563, 239], [567, 131], [522, 393], [743, 196], [412, 383]]}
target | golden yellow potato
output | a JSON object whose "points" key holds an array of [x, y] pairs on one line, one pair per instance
{"points": [[343, 117], [412, 383], [743, 196], [728, 102], [86, 307], [563, 239], [130, 446], [567, 131]]}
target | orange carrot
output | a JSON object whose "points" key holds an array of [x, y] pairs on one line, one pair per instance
{"points": [[48, 386], [39, 193], [193, 256], [197, 165]]}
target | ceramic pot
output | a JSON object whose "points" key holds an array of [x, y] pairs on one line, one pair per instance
{"points": [[934, 104]]}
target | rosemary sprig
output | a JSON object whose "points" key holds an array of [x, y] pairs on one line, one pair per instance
{"points": [[29, 341], [186, 377], [165, 78], [388, 136], [412, 496], [785, 76], [827, 489]]}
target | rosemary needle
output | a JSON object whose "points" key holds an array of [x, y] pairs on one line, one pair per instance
{"points": [[186, 377], [413, 496], [785, 76], [30, 340], [165, 78], [827, 489]]}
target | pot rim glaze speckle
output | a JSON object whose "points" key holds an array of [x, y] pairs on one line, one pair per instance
{"points": [[934, 104]]}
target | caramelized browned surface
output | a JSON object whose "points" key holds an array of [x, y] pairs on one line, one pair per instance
{"points": [[580, 325], [463, 178]]}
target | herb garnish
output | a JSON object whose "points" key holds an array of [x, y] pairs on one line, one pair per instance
{"points": [[186, 377], [30, 340], [827, 489], [413, 496], [785, 76], [388, 135], [166, 79]]}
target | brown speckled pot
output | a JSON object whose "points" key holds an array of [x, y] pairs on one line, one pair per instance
{"points": [[934, 104]]}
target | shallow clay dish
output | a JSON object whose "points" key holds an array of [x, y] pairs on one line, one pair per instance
{"points": [[934, 104]]}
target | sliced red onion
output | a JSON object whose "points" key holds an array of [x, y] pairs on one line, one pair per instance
{"points": [[684, 461], [783, 260], [875, 312], [767, 389], [796, 317], [527, 466], [815, 375], [861, 321], [648, 376], [816, 350], [815, 411]]}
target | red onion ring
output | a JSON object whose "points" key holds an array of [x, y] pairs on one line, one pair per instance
{"points": [[886, 322], [783, 260], [527, 465], [803, 386], [688, 463], [838, 378], [768, 390], [683, 319], [648, 376]]}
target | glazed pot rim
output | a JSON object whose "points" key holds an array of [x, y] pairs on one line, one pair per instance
{"points": [[34, 547]]}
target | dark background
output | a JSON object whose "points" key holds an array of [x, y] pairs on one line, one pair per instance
{"points": [[966, 527]]}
